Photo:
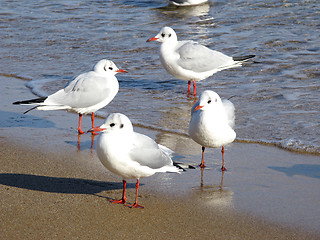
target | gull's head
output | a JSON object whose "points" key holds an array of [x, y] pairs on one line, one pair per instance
{"points": [[207, 100], [115, 123], [166, 34], [107, 67]]}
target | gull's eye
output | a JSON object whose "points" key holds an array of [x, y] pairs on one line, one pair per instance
{"points": [[169, 34], [209, 101], [121, 126], [162, 35], [112, 124], [111, 68]]}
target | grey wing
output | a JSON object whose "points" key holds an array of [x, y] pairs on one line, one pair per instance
{"points": [[229, 109], [72, 83], [146, 152], [84, 91], [198, 58]]}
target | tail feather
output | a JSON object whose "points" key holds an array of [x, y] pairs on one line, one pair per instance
{"points": [[48, 107], [31, 101], [243, 58]]}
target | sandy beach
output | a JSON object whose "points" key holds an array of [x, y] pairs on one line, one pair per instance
{"points": [[46, 195], [54, 187]]}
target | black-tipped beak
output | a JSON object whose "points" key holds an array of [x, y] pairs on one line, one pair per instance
{"points": [[96, 129]]}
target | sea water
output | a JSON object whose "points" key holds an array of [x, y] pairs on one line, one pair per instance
{"points": [[276, 96]]}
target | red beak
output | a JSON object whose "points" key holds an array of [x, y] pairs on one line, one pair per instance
{"points": [[152, 39], [96, 129], [121, 71], [197, 108]]}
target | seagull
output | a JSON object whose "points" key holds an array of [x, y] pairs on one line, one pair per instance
{"points": [[85, 94], [191, 61], [186, 2], [129, 154], [212, 122]]}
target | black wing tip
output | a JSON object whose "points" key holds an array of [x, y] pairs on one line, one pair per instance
{"points": [[243, 58], [36, 100], [30, 109], [183, 166]]}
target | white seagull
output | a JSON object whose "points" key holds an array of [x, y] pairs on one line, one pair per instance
{"points": [[129, 154], [212, 122], [186, 2], [85, 94], [191, 61]]}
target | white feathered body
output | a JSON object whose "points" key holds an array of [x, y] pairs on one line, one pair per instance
{"points": [[213, 127], [85, 94], [132, 155], [189, 60]]}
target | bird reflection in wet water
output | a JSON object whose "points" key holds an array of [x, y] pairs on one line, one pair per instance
{"points": [[216, 195], [91, 143]]}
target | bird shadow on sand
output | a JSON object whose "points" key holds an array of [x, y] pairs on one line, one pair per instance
{"points": [[12, 119], [308, 170], [59, 185]]}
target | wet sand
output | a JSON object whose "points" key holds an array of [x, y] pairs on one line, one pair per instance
{"points": [[53, 187]]}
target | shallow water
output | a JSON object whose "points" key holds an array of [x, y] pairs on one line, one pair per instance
{"points": [[276, 98]]}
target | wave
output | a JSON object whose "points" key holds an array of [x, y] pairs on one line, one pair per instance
{"points": [[289, 144]]}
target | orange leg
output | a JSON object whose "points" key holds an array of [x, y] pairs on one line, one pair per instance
{"points": [[92, 121], [223, 167], [123, 199], [194, 88], [136, 205], [79, 128], [202, 160]]}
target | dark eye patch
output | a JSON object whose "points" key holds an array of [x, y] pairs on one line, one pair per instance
{"points": [[112, 125], [169, 34], [121, 126], [216, 100]]}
